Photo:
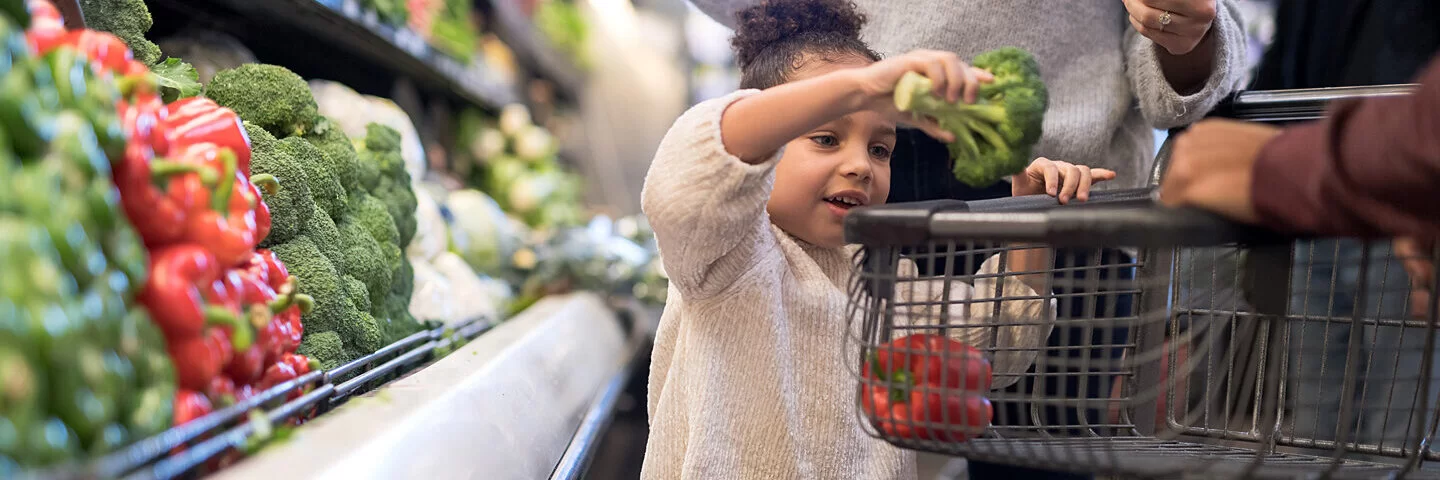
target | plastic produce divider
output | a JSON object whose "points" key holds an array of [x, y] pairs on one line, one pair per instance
{"points": [[195, 457], [149, 450]]}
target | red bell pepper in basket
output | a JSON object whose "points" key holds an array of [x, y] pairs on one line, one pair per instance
{"points": [[190, 405], [927, 387], [198, 360]]}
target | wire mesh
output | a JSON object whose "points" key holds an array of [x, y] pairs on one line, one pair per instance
{"points": [[1262, 360]]}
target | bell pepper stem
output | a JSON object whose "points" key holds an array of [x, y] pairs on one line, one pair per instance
{"points": [[305, 302], [241, 335], [226, 186], [259, 316], [313, 363], [161, 169], [897, 383], [266, 182]]}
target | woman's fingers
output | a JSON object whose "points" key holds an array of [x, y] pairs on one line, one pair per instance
{"points": [[1051, 174], [1102, 174], [1071, 181]]}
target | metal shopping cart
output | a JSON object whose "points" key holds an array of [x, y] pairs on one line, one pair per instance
{"points": [[1137, 341]]}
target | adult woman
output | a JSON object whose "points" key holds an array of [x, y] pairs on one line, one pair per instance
{"points": [[1100, 58]]}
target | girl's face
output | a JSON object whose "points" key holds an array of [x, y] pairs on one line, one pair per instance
{"points": [[832, 169]]}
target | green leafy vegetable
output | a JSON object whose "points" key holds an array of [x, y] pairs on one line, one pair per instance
{"points": [[177, 79]]}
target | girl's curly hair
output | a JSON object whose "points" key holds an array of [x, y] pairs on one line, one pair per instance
{"points": [[775, 36]]}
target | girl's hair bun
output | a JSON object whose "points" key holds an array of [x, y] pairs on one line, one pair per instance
{"points": [[773, 22]]}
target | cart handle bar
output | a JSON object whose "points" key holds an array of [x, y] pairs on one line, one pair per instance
{"points": [[1111, 218]]}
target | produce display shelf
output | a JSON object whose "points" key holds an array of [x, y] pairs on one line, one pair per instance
{"points": [[506, 405], [346, 25], [183, 449], [534, 50]]}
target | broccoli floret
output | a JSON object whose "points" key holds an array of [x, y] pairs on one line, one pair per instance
{"points": [[320, 176], [994, 135], [339, 153], [271, 96], [355, 289], [320, 281], [324, 347], [326, 236], [291, 206], [400, 201], [381, 138], [362, 334], [372, 214], [127, 19], [365, 261], [404, 284]]}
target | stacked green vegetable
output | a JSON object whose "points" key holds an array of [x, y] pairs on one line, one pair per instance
{"points": [[342, 217], [562, 22], [83, 370]]}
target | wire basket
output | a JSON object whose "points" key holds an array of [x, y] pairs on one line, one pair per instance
{"points": [[1128, 339]]}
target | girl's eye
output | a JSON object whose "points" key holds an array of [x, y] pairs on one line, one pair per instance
{"points": [[880, 151], [825, 140]]}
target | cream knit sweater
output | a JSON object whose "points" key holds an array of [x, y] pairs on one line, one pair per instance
{"points": [[748, 379], [1107, 91]]}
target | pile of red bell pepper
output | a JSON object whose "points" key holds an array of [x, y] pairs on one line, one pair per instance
{"points": [[927, 387], [230, 313]]}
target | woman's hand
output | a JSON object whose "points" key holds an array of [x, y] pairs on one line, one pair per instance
{"points": [[952, 78], [1178, 26], [1062, 180]]}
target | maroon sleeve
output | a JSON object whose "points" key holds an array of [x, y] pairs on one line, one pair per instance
{"points": [[1371, 168]]}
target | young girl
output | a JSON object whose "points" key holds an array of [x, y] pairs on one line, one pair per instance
{"points": [[746, 195]]}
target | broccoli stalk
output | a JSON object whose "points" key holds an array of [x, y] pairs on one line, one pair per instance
{"points": [[994, 135]]}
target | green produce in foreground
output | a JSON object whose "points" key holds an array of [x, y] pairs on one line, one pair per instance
{"points": [[994, 135], [83, 370], [269, 96]]}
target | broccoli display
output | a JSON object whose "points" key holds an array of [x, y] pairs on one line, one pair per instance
{"points": [[339, 153], [324, 347], [291, 206], [127, 19], [320, 176], [382, 149], [994, 135], [343, 215], [365, 262], [321, 230], [270, 96], [355, 290]]}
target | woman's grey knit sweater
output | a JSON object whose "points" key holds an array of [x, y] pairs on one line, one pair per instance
{"points": [[1107, 92]]}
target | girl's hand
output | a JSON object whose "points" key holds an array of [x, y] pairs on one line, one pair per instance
{"points": [[1061, 180], [951, 78]]}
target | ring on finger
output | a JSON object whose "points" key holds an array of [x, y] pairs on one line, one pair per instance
{"points": [[1165, 19]]}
